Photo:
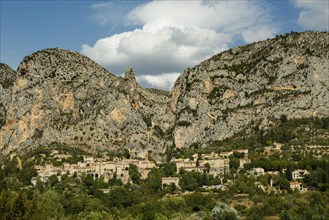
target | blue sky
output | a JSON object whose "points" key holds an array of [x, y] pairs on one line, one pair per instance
{"points": [[159, 39]]}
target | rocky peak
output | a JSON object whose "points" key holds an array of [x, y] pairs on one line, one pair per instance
{"points": [[130, 75], [131, 87], [7, 76], [60, 65]]}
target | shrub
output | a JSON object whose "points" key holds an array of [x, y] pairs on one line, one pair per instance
{"points": [[224, 212], [184, 123]]}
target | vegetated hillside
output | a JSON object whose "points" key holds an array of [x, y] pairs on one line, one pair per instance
{"points": [[293, 134], [63, 96]]}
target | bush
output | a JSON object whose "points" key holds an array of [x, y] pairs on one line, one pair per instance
{"points": [[184, 123], [148, 120], [224, 212]]}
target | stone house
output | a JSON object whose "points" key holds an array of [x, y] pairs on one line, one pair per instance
{"points": [[295, 185], [218, 166], [187, 164], [226, 154], [211, 155]]}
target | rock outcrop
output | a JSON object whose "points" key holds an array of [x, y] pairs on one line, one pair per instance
{"points": [[62, 96]]}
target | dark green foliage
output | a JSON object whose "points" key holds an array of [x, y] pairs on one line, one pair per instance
{"points": [[153, 181], [257, 213], [215, 93], [234, 163], [53, 180], [148, 120], [319, 175], [242, 68], [122, 153], [158, 131], [282, 183], [288, 173], [169, 169], [170, 131], [238, 154], [283, 119], [149, 210], [191, 181], [119, 197], [199, 202], [207, 167], [184, 123], [134, 174], [273, 205]]}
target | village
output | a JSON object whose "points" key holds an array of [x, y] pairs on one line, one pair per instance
{"points": [[216, 164]]}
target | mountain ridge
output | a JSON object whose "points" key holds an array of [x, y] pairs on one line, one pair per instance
{"points": [[63, 96]]}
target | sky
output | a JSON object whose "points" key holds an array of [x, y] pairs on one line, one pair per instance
{"points": [[158, 39]]}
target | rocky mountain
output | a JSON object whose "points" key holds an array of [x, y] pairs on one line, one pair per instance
{"points": [[251, 86], [62, 96]]}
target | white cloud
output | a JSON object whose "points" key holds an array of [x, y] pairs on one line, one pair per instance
{"points": [[176, 34], [224, 16], [314, 14], [163, 81], [161, 46]]}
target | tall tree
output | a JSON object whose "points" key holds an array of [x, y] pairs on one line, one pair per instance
{"points": [[134, 174]]}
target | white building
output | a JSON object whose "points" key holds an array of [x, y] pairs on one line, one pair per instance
{"points": [[299, 174], [257, 171]]}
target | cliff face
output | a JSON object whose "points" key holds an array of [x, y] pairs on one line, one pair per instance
{"points": [[63, 96], [7, 79], [249, 86]]}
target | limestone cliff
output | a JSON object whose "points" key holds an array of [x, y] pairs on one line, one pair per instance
{"points": [[63, 96], [251, 85], [7, 79]]}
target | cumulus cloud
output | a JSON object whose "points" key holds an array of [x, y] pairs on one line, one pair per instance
{"points": [[314, 14], [224, 16], [160, 46], [173, 35], [162, 81]]}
